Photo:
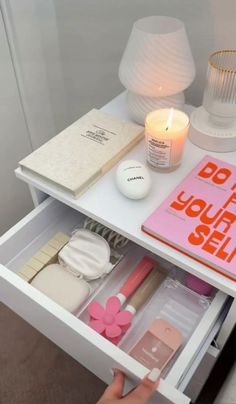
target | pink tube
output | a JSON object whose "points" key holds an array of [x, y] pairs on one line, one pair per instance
{"points": [[140, 272]]}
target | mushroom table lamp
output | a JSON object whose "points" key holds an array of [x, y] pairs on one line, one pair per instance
{"points": [[157, 65]]}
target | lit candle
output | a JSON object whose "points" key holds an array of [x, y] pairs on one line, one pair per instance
{"points": [[165, 132]]}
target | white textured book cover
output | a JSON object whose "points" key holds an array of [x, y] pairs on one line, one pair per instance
{"points": [[83, 152]]}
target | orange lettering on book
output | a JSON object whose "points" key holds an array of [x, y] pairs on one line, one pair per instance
{"points": [[197, 238], [205, 218], [233, 187], [208, 170], [232, 199], [199, 217], [196, 207], [218, 176], [212, 243], [232, 255], [221, 253], [227, 218], [181, 203]]}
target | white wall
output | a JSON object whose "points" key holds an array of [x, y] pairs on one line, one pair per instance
{"points": [[93, 34], [69, 50], [15, 199], [32, 33]]}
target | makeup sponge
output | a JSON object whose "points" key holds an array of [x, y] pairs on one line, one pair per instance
{"points": [[62, 287]]}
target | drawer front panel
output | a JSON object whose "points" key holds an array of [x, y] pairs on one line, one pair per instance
{"points": [[74, 337], [64, 329]]}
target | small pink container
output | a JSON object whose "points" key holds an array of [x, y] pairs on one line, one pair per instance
{"points": [[198, 285]]}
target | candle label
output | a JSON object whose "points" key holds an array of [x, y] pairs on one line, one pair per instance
{"points": [[158, 151]]}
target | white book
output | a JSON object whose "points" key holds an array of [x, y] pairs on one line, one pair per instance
{"points": [[78, 156]]}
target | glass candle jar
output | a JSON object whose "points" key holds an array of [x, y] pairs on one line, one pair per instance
{"points": [[165, 135], [219, 98]]}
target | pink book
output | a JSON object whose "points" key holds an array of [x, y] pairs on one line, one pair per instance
{"points": [[199, 217]]}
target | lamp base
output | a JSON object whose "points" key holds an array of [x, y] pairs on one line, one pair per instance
{"points": [[204, 134], [139, 106]]}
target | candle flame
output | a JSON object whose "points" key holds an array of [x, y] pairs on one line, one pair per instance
{"points": [[170, 119]]}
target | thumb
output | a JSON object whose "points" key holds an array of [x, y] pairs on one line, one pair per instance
{"points": [[115, 389], [147, 387]]}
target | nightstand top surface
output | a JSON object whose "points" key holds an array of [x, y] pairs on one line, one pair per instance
{"points": [[104, 203]]}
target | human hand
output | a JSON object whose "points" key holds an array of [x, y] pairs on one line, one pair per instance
{"points": [[139, 395]]}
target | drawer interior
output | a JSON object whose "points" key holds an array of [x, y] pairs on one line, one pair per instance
{"points": [[16, 250], [197, 317]]}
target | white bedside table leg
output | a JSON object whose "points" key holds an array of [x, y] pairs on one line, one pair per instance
{"points": [[37, 196]]}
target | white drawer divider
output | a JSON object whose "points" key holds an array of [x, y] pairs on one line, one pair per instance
{"points": [[187, 356], [205, 347]]}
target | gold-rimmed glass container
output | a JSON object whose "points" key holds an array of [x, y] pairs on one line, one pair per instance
{"points": [[220, 92]]}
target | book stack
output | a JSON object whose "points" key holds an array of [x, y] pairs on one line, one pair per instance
{"points": [[199, 216]]}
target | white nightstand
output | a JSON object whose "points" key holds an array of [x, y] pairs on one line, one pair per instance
{"points": [[105, 204]]}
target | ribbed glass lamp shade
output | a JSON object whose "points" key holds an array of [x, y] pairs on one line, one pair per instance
{"points": [[157, 61], [139, 106], [220, 92]]}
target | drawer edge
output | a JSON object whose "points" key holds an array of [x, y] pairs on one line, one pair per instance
{"points": [[201, 333], [41, 312]]}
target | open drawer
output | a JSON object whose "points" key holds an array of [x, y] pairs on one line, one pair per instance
{"points": [[71, 334]]}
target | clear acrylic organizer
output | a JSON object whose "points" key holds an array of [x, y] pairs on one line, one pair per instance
{"points": [[172, 301], [177, 304]]}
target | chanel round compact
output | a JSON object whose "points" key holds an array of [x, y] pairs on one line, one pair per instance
{"points": [[133, 179]]}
